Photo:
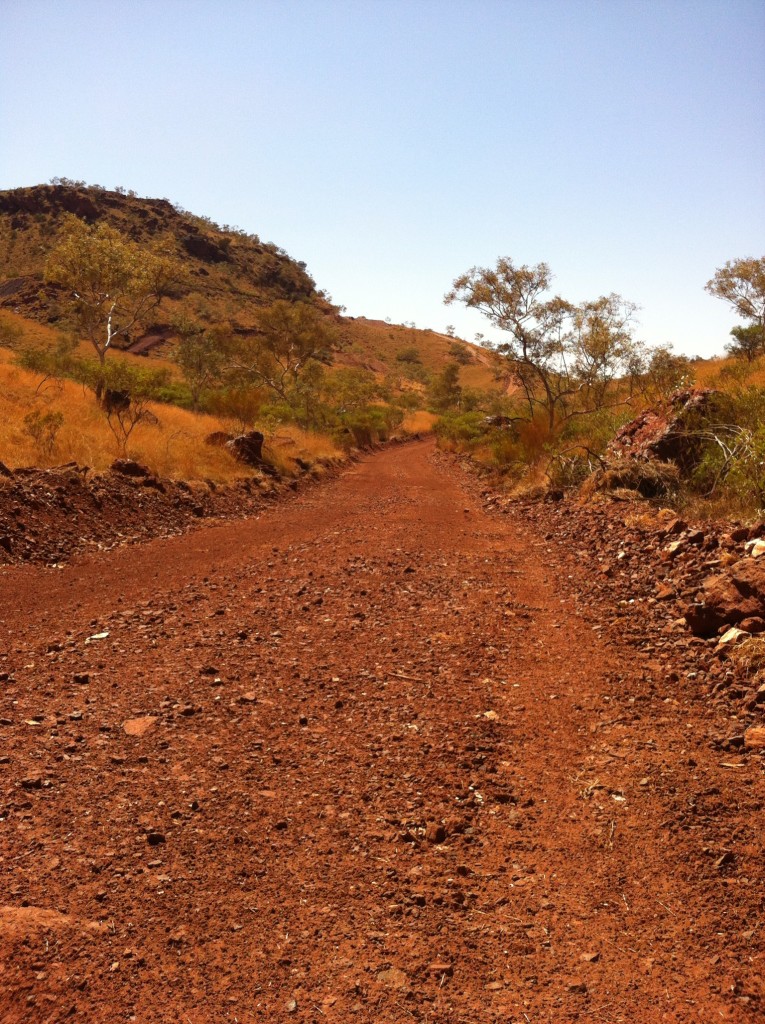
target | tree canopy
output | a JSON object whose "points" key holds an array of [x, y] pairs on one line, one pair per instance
{"points": [[114, 283], [741, 283], [200, 355], [291, 335], [748, 342], [562, 356]]}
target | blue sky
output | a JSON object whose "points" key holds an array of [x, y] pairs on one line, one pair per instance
{"points": [[392, 145]]}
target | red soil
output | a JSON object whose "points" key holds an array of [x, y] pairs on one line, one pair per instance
{"points": [[385, 771]]}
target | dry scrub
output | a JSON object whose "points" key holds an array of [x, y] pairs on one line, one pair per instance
{"points": [[172, 447], [419, 422], [749, 658]]}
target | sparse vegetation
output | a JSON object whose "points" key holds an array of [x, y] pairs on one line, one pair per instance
{"points": [[42, 428], [741, 283], [112, 283], [10, 334], [731, 468], [564, 360], [291, 337], [123, 273], [748, 342], [460, 353], [658, 373], [409, 355], [254, 345], [579, 376], [200, 354], [171, 444]]}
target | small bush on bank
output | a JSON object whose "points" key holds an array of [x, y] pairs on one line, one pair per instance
{"points": [[454, 429], [365, 427], [42, 428], [732, 465]]}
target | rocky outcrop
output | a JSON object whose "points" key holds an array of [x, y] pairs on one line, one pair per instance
{"points": [[247, 448], [250, 273], [671, 434], [203, 248], [729, 598], [128, 467], [651, 455]]}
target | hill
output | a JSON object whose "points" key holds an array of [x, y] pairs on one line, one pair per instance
{"points": [[231, 274], [230, 277], [378, 344]]}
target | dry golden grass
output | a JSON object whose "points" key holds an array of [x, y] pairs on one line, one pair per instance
{"points": [[480, 376], [749, 657], [371, 344], [173, 447], [716, 508], [29, 330], [33, 334], [419, 422], [289, 442], [723, 371]]}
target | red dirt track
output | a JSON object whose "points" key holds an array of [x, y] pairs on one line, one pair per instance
{"points": [[394, 774]]}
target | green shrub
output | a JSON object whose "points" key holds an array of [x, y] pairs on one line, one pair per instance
{"points": [[367, 426], [409, 355], [732, 462], [464, 428]]}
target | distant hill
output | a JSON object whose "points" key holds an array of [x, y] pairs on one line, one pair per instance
{"points": [[384, 347], [232, 275]]}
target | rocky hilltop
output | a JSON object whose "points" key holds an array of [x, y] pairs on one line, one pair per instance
{"points": [[231, 274]]}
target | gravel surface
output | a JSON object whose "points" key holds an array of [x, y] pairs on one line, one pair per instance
{"points": [[373, 755]]}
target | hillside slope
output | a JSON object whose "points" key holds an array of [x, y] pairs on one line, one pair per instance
{"points": [[377, 345], [231, 276]]}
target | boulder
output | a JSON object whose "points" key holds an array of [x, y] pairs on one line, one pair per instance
{"points": [[728, 598], [650, 455], [247, 448], [139, 726], [754, 738], [754, 625], [732, 637], [203, 248], [115, 401], [127, 467]]}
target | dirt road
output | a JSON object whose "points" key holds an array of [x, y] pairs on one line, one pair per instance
{"points": [[377, 766]]}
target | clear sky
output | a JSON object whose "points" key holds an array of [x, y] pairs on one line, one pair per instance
{"points": [[393, 144]]}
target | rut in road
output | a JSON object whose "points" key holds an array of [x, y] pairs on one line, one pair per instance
{"points": [[381, 769]]}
